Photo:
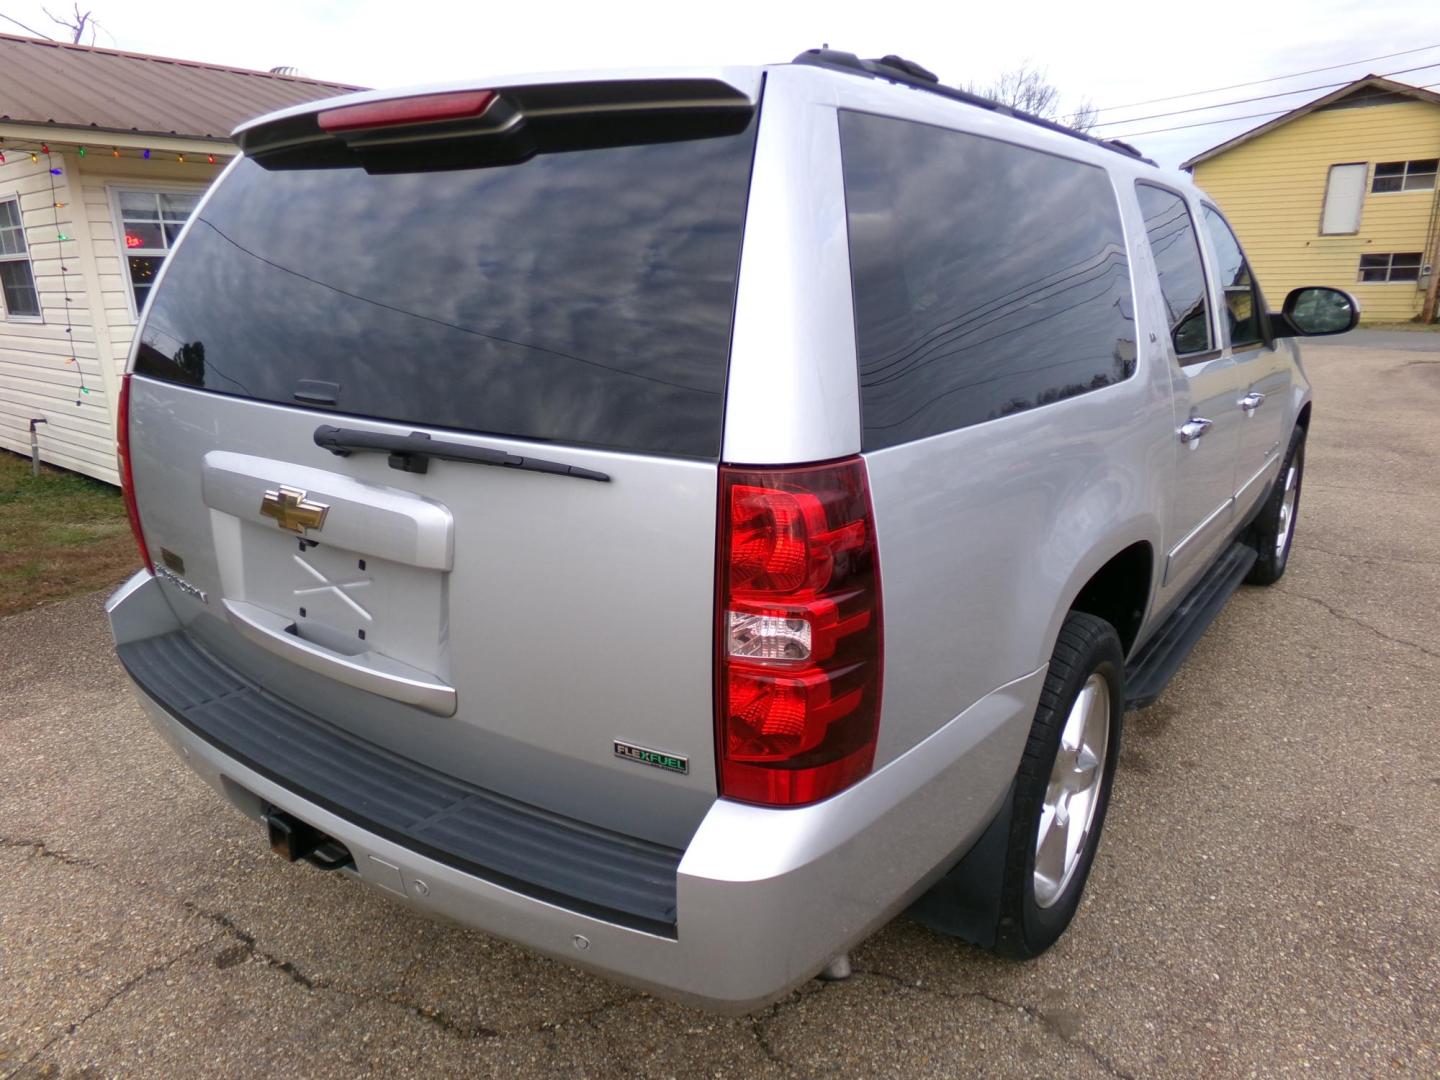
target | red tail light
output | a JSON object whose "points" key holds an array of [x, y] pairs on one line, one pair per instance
{"points": [[127, 479], [424, 109], [799, 635]]}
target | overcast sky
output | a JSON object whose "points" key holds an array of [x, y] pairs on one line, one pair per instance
{"points": [[1111, 53]]}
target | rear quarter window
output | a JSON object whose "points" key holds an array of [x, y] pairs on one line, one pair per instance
{"points": [[582, 297], [1175, 247], [989, 278]]}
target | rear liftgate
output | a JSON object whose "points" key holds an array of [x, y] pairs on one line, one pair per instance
{"points": [[335, 521]]}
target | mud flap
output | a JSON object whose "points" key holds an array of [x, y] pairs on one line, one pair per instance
{"points": [[965, 903]]}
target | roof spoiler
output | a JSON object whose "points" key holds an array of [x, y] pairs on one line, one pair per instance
{"points": [[474, 126]]}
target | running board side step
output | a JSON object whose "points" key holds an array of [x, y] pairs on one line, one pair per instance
{"points": [[1150, 669]]}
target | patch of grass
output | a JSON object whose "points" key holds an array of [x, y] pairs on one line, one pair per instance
{"points": [[28, 571], [61, 534], [78, 535]]}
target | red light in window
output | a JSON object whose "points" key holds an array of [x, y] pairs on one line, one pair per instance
{"points": [[133, 241], [425, 109]]}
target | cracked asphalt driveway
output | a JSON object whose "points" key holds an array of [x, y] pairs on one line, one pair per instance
{"points": [[1266, 900]]}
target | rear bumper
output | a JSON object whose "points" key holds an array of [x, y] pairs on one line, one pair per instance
{"points": [[763, 899]]}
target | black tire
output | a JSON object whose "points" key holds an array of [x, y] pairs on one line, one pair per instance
{"points": [[1264, 534], [1086, 646]]}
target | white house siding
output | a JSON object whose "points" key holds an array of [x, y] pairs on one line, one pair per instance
{"points": [[35, 380]]}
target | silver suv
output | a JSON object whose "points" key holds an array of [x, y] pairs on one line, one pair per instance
{"points": [[678, 521]]}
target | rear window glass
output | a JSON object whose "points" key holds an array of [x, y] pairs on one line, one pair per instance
{"points": [[989, 278], [580, 297]]}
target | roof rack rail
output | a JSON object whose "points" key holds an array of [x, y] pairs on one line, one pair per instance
{"points": [[908, 73]]}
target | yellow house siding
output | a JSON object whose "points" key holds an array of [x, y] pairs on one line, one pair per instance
{"points": [[1272, 189]]}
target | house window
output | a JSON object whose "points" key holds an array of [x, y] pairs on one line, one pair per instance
{"points": [[150, 223], [1344, 197], [17, 278], [1401, 267], [1405, 175]]}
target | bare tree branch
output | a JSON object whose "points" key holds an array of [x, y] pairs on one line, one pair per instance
{"points": [[1029, 88], [1084, 116], [77, 28]]}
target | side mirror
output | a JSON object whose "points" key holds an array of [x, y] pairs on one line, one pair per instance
{"points": [[1316, 311]]}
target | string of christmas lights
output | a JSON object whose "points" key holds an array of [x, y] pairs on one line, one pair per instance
{"points": [[34, 151], [143, 154], [60, 238]]}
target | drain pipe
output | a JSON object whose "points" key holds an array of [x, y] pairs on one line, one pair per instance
{"points": [[35, 446]]}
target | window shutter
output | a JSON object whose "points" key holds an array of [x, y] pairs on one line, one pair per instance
{"points": [[1344, 195]]}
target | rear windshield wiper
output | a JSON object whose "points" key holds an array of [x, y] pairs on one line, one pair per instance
{"points": [[412, 453]]}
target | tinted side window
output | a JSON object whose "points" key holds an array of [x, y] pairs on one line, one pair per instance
{"points": [[1176, 249], [1242, 298], [988, 278]]}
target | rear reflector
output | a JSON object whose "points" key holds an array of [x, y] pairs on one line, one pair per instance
{"points": [[127, 479], [425, 109], [799, 637]]}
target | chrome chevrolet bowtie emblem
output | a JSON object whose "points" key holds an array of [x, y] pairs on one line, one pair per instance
{"points": [[292, 510]]}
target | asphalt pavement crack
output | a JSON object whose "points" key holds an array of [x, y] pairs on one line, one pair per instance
{"points": [[588, 1016], [1093, 1052], [466, 1031], [758, 1025], [761, 1021], [1313, 485], [1344, 616], [1369, 559], [247, 948], [1034, 1012], [39, 849], [110, 999], [437, 1018]]}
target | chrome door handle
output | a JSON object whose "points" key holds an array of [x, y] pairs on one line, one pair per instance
{"points": [[1252, 401], [1194, 428]]}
